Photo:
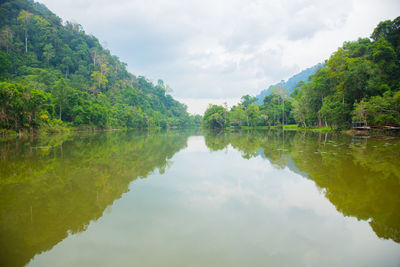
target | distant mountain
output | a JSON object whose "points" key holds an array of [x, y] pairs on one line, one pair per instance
{"points": [[290, 84]]}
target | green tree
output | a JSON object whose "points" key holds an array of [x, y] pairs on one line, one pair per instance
{"points": [[246, 100], [252, 114], [238, 114], [24, 17], [215, 117], [61, 92], [6, 38], [48, 52], [333, 111]]}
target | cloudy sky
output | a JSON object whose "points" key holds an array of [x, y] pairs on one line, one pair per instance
{"points": [[212, 51]]}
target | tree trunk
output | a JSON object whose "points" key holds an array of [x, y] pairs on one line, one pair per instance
{"points": [[60, 111], [26, 41], [283, 111], [319, 120]]}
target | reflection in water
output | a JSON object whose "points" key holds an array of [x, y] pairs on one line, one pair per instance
{"points": [[52, 188], [206, 202], [360, 176]]}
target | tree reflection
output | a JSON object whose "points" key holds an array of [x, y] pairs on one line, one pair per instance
{"points": [[51, 188], [360, 176]]}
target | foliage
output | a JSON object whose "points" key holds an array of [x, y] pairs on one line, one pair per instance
{"points": [[290, 85], [275, 111], [360, 82], [215, 117], [80, 81]]}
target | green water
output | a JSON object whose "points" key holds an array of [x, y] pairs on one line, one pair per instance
{"points": [[192, 198]]}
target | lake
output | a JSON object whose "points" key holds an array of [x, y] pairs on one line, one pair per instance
{"points": [[200, 198]]}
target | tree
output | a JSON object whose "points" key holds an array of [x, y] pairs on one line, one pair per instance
{"points": [[333, 111], [6, 37], [360, 113], [61, 92], [246, 100], [383, 110], [282, 93], [99, 76], [300, 111], [383, 29], [238, 114], [48, 52], [24, 17], [34, 102], [252, 114], [94, 53], [215, 117]]}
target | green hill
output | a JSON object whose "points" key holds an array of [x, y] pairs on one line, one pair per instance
{"points": [[53, 73], [360, 83], [290, 85], [359, 86]]}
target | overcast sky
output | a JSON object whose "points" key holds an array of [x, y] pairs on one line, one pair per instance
{"points": [[212, 51]]}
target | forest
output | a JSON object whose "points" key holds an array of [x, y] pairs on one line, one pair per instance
{"points": [[358, 85], [54, 75]]}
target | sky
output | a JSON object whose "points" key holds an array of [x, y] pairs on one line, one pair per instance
{"points": [[215, 51]]}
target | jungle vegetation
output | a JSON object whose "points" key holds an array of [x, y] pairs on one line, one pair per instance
{"points": [[54, 74], [359, 83]]}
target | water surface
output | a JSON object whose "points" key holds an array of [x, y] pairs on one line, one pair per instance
{"points": [[184, 198]]}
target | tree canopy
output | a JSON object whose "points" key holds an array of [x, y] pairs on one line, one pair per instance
{"points": [[360, 83], [79, 81]]}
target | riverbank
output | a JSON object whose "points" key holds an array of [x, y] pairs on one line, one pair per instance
{"points": [[65, 129], [383, 131], [289, 127]]}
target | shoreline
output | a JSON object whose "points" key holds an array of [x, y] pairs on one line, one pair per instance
{"points": [[316, 129]]}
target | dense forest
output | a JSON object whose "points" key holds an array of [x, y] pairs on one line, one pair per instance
{"points": [[54, 74], [359, 84]]}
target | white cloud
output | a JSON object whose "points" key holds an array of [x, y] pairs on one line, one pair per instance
{"points": [[199, 105], [224, 49]]}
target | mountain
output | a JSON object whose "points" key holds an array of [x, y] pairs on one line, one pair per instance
{"points": [[52, 73], [290, 84]]}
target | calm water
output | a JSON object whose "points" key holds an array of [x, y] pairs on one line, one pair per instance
{"points": [[183, 198]]}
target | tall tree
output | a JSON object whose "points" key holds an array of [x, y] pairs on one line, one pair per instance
{"points": [[61, 91], [24, 17]]}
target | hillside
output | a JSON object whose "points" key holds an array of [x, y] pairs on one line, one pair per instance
{"points": [[359, 86], [53, 73], [290, 84]]}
